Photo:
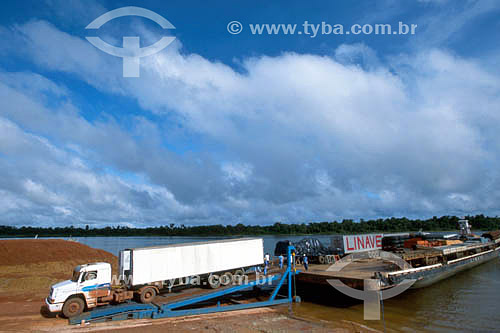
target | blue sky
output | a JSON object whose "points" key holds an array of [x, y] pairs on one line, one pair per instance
{"points": [[223, 128]]}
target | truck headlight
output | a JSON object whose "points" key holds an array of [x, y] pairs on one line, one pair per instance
{"points": [[52, 295]]}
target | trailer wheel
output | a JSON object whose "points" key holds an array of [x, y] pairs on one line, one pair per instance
{"points": [[147, 295], [226, 279], [238, 276], [73, 307], [214, 281]]}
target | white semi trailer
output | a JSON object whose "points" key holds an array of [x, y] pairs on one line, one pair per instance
{"points": [[145, 272]]}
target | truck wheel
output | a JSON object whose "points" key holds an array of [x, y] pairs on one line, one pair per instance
{"points": [[73, 307], [238, 276], [239, 272], [147, 295], [322, 259], [214, 281], [226, 278]]}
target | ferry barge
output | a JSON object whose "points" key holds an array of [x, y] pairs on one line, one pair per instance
{"points": [[435, 260]]}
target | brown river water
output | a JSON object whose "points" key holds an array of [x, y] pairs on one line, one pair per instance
{"points": [[467, 302]]}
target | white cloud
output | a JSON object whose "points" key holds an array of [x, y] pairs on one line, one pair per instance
{"points": [[237, 172], [302, 136]]}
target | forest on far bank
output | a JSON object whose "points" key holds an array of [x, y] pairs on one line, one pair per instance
{"points": [[401, 224]]}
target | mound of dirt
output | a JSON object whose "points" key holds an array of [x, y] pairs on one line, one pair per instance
{"points": [[33, 265], [35, 251]]}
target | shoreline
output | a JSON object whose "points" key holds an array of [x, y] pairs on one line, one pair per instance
{"points": [[23, 313], [29, 267], [32, 236]]}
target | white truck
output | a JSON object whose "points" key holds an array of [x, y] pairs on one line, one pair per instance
{"points": [[144, 272]]}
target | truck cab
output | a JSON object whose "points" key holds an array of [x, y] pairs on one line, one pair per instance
{"points": [[87, 285]]}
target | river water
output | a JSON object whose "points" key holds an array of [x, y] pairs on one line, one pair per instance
{"points": [[466, 302], [115, 244]]}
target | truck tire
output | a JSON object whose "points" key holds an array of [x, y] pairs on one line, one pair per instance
{"points": [[322, 259], [238, 276], [214, 281], [73, 307], [147, 295], [226, 278]]}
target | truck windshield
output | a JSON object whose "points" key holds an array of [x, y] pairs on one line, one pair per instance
{"points": [[76, 275]]}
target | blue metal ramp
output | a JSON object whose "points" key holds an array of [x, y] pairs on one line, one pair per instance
{"points": [[193, 304]]}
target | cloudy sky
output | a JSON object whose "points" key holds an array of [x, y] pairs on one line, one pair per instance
{"points": [[253, 129]]}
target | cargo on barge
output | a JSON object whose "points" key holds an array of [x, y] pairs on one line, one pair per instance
{"points": [[432, 262], [429, 258]]}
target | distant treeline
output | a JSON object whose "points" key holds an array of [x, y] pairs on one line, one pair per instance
{"points": [[444, 223]]}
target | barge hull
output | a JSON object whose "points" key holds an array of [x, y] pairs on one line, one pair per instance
{"points": [[428, 277]]}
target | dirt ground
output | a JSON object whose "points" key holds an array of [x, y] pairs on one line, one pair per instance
{"points": [[29, 267], [23, 314]]}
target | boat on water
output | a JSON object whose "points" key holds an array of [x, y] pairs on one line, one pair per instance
{"points": [[437, 259]]}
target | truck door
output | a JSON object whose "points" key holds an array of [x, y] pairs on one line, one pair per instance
{"points": [[88, 285]]}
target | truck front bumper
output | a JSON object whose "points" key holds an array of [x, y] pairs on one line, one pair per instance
{"points": [[54, 307]]}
